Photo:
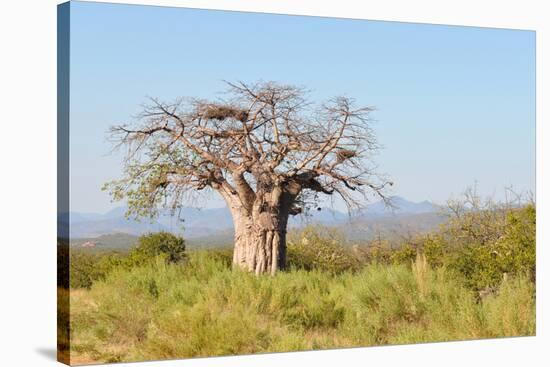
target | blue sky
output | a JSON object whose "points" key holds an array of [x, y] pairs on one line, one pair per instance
{"points": [[454, 105]]}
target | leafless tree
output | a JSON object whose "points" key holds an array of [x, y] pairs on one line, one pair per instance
{"points": [[265, 148]]}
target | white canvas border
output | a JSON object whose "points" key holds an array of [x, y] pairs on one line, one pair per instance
{"points": [[27, 154]]}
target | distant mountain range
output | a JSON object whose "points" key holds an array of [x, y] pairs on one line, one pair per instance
{"points": [[216, 223]]}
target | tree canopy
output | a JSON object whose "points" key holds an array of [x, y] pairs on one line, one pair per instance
{"points": [[260, 136]]}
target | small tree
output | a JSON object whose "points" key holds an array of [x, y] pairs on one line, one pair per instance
{"points": [[266, 149]]}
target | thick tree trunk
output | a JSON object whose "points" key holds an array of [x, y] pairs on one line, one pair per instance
{"points": [[260, 221], [260, 242]]}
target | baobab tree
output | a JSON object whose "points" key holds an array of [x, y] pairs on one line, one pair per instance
{"points": [[265, 148]]}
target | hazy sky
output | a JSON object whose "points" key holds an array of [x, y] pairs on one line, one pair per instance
{"points": [[455, 105]]}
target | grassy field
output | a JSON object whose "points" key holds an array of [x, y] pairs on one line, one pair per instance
{"points": [[472, 278], [204, 308]]}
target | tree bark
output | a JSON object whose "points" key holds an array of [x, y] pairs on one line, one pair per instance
{"points": [[260, 222], [260, 238], [260, 243], [260, 250]]}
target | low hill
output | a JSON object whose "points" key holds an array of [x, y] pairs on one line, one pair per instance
{"points": [[114, 241], [213, 227], [196, 223]]}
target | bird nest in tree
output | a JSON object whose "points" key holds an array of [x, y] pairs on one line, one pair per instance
{"points": [[344, 154], [217, 112]]}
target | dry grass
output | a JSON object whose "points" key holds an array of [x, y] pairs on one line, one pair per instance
{"points": [[203, 308]]}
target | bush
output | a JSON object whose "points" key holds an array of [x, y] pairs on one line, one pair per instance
{"points": [[88, 267], [320, 248], [435, 250], [403, 255], [149, 246], [484, 265], [374, 252], [84, 269]]}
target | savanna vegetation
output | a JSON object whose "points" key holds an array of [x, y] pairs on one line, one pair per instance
{"points": [[473, 278]]}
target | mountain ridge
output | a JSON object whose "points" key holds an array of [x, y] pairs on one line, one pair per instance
{"points": [[203, 222]]}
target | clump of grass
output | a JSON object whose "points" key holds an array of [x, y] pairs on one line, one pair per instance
{"points": [[511, 311]]}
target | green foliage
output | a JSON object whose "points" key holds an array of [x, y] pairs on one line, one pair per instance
{"points": [[87, 267], [435, 250], [320, 248], [473, 278], [518, 242], [513, 252], [149, 246], [403, 255], [83, 270], [506, 246], [223, 254], [204, 308], [145, 193], [482, 246], [108, 262], [374, 252]]}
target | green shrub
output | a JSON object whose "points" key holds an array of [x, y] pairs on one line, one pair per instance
{"points": [[151, 245], [320, 248], [435, 250], [403, 255], [374, 252], [84, 271], [513, 253], [88, 267], [109, 261]]}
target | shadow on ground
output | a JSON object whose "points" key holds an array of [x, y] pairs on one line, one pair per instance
{"points": [[49, 353]]}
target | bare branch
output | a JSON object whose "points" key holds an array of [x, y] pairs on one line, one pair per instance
{"points": [[264, 138]]}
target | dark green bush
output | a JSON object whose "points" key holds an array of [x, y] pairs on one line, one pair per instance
{"points": [[84, 270], [151, 245]]}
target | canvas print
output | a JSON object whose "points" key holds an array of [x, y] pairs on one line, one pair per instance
{"points": [[234, 183]]}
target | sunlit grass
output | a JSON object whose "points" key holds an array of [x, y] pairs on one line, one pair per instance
{"points": [[204, 308]]}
